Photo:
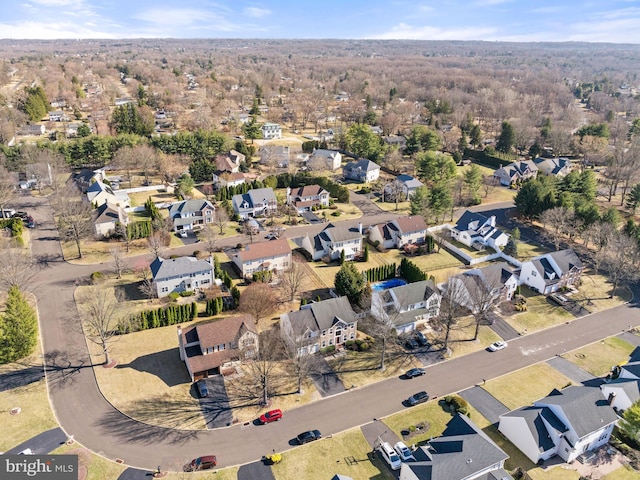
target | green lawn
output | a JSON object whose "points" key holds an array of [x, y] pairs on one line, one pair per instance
{"points": [[598, 358], [540, 313], [623, 473], [461, 337], [529, 250], [540, 380], [329, 456]]}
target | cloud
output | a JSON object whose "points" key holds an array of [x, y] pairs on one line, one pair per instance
{"points": [[489, 3], [256, 12], [56, 3], [51, 31], [404, 31]]}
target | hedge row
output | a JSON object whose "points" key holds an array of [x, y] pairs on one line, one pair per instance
{"points": [[160, 317], [411, 272], [383, 272], [340, 193], [14, 224], [494, 161], [142, 229]]}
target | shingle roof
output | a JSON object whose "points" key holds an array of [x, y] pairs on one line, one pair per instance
{"points": [[566, 259], [363, 164], [412, 293], [584, 407], [533, 417], [175, 267], [338, 233], [308, 191], [411, 224], [188, 206], [322, 315], [273, 248], [106, 213]]}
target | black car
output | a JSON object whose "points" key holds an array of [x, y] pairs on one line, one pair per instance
{"points": [[23, 215], [421, 339], [201, 386], [417, 398], [414, 372], [310, 436], [411, 343]]}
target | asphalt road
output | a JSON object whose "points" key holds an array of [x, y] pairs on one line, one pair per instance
{"points": [[83, 412]]}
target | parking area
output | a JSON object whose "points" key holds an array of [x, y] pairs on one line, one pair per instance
{"points": [[215, 407], [311, 217], [488, 406]]}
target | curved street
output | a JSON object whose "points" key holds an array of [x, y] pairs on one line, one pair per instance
{"points": [[86, 415]]}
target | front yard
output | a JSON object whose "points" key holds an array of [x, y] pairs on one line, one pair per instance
{"points": [[598, 358]]}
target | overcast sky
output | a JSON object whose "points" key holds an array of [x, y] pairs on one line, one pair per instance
{"points": [[493, 20]]}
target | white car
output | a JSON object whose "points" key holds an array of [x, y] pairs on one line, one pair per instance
{"points": [[494, 347], [403, 452], [390, 456], [26, 451]]}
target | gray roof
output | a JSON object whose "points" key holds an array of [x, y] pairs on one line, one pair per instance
{"points": [[462, 451], [176, 267], [106, 213], [545, 270], [338, 233], [322, 315], [256, 196], [534, 416], [469, 217], [412, 293], [584, 407], [633, 368], [188, 206], [566, 259], [630, 386], [364, 164], [495, 275], [409, 181]]}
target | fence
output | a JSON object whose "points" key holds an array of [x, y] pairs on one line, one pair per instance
{"points": [[147, 188]]}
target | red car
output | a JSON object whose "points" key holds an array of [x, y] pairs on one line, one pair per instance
{"points": [[271, 416]]}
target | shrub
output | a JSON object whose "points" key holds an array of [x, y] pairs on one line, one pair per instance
{"points": [[173, 296], [337, 213], [186, 294], [97, 277], [412, 428], [458, 404], [328, 350]]}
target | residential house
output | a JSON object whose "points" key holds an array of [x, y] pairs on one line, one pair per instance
{"points": [[624, 389], [228, 179], [72, 128], [516, 172], [395, 141], [275, 155], [550, 272], [332, 241], [257, 202], [274, 255], [399, 232], [329, 158], [319, 325], [119, 102], [31, 130], [406, 306], [403, 186], [85, 177], [191, 214], [481, 288], [566, 423], [227, 172], [305, 199], [107, 218], [271, 131], [99, 193], [477, 231], [181, 274], [363, 171], [558, 167], [462, 452], [206, 348]]}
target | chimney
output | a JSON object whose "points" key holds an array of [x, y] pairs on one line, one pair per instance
{"points": [[360, 228], [180, 344], [612, 397]]}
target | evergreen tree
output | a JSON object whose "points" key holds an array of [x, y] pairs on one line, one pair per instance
{"points": [[507, 138], [350, 282], [18, 327], [633, 198]]}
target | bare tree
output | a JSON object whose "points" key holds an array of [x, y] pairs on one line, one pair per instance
{"points": [[122, 231], [156, 243], [118, 261], [16, 269], [451, 309], [146, 160], [600, 233], [221, 220], [148, 288], [621, 260], [291, 280], [384, 331], [7, 188], [301, 360], [482, 295], [396, 191], [258, 300], [210, 238], [489, 184], [100, 312], [555, 221], [74, 217]]}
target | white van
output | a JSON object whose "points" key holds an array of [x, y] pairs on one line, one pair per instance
{"points": [[390, 456]]}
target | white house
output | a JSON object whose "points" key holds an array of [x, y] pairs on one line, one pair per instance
{"points": [[566, 423], [550, 272], [274, 255], [271, 131], [477, 231], [305, 199], [99, 193], [255, 203], [107, 217], [191, 215], [516, 171], [320, 324], [486, 286], [558, 167], [330, 158], [363, 171], [275, 155], [462, 452], [406, 306], [624, 390], [181, 274], [403, 186], [399, 232], [207, 347], [332, 241]]}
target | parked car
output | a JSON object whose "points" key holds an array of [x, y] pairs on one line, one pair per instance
{"points": [[411, 343], [559, 299], [20, 214], [183, 234], [201, 463], [414, 372], [271, 416], [417, 398], [421, 339], [273, 236], [494, 347], [309, 436], [403, 452], [201, 386], [26, 451], [389, 455]]}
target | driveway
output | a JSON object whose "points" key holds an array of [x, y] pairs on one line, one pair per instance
{"points": [[631, 338], [43, 443], [367, 207], [502, 327], [488, 406], [215, 407], [325, 379], [574, 372], [311, 217]]}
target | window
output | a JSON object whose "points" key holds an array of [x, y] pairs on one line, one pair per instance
{"points": [[533, 274], [324, 344], [165, 289], [324, 332]]}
